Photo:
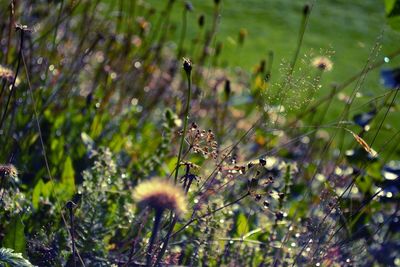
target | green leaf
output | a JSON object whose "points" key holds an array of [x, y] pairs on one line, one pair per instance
{"points": [[37, 191], [394, 23], [392, 8], [67, 180], [13, 259], [242, 225], [15, 236], [389, 5]]}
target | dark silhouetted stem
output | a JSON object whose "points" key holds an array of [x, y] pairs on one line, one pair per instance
{"points": [[188, 71], [156, 225]]}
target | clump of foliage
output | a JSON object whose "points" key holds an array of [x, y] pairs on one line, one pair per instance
{"points": [[96, 101]]}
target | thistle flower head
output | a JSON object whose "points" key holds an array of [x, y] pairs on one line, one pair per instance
{"points": [[322, 63], [161, 194]]}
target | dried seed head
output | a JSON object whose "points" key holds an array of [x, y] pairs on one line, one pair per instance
{"points": [[279, 215], [161, 195], [322, 63], [187, 65], [8, 170]]}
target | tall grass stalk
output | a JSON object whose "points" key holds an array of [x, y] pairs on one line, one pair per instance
{"points": [[187, 66]]}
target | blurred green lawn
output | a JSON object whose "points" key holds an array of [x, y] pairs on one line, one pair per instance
{"points": [[349, 28]]}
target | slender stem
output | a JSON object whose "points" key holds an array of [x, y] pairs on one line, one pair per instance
{"points": [[189, 81], [70, 205], [210, 213], [165, 244], [21, 45], [183, 33], [156, 225]]}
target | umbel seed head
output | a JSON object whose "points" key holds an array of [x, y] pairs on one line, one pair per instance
{"points": [[160, 195]]}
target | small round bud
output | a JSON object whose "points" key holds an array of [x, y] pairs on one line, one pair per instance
{"points": [[227, 91], [70, 205], [189, 6], [279, 215], [306, 9], [187, 65], [242, 36], [201, 20]]}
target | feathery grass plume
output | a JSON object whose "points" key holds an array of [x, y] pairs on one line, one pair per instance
{"points": [[364, 144], [161, 195], [322, 63]]}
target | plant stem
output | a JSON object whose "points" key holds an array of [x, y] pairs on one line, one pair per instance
{"points": [[12, 90], [149, 256], [70, 205], [189, 81]]}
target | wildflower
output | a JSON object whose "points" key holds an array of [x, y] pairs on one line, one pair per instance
{"points": [[6, 73], [161, 195], [8, 170], [322, 63]]}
